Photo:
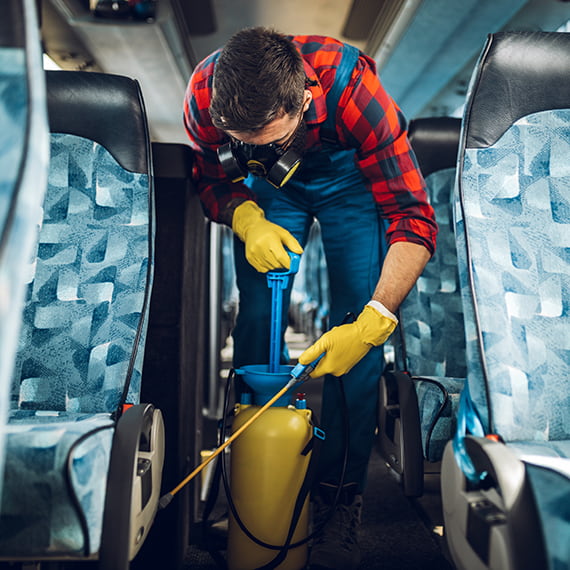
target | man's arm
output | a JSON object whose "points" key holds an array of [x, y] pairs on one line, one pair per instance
{"points": [[387, 163], [403, 265], [346, 345]]}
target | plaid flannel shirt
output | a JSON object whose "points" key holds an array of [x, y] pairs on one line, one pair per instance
{"points": [[367, 120]]}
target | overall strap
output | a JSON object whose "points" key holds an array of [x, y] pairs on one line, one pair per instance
{"points": [[343, 73]]}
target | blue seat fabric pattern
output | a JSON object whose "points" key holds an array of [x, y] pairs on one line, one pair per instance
{"points": [[13, 112], [82, 340], [438, 402], [86, 300], [24, 149], [432, 312], [432, 328], [517, 215], [44, 449]]}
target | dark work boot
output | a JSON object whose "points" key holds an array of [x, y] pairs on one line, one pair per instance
{"points": [[336, 545]]}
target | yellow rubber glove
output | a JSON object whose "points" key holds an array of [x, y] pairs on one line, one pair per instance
{"points": [[346, 345], [265, 241]]}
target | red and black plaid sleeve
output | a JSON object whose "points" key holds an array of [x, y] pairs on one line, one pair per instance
{"points": [[371, 122], [213, 185]]}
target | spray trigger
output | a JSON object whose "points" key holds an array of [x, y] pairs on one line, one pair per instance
{"points": [[301, 372]]}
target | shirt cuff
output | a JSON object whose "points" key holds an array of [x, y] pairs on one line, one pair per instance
{"points": [[383, 310]]}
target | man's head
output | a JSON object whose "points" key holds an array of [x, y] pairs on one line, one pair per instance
{"points": [[259, 98], [258, 78]]}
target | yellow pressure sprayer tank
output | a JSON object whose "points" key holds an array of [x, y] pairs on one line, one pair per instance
{"points": [[267, 469]]}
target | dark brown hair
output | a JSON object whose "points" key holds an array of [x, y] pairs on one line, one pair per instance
{"points": [[259, 76]]}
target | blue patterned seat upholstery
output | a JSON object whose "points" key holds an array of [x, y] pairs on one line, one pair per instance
{"points": [[82, 344], [89, 290], [431, 335], [23, 177], [517, 223], [419, 397], [513, 238]]}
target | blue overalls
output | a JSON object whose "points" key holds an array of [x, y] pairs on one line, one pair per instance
{"points": [[330, 188]]}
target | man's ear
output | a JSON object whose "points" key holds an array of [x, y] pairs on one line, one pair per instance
{"points": [[308, 97]]}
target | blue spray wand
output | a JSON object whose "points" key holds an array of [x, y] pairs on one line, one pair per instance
{"points": [[278, 281]]}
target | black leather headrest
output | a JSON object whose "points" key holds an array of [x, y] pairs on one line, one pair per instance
{"points": [[107, 109], [518, 73], [435, 141]]}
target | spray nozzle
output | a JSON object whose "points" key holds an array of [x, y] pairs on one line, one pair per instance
{"points": [[301, 372]]}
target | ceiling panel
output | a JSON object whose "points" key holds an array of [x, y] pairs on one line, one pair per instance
{"points": [[429, 70], [322, 17], [442, 37]]}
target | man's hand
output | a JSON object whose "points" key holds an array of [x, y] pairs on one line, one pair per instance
{"points": [[265, 242], [346, 345]]}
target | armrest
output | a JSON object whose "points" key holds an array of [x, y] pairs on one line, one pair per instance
{"points": [[133, 485], [515, 507], [400, 435]]}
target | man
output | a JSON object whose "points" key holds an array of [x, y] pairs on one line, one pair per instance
{"points": [[306, 121]]}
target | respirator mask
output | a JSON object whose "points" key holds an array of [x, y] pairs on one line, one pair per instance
{"points": [[274, 162]]}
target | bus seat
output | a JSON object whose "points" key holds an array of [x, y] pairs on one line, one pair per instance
{"points": [[23, 176], [419, 396], [513, 237], [177, 347], [84, 457]]}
